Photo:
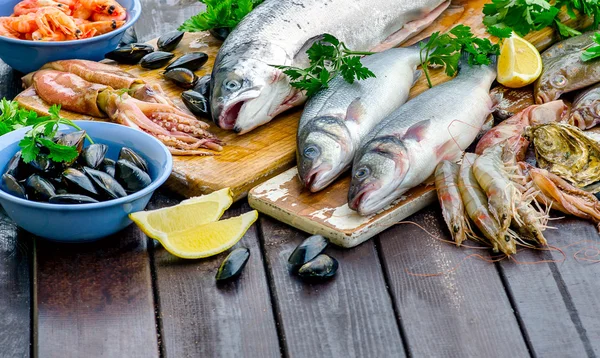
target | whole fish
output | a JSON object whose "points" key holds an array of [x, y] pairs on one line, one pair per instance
{"points": [[247, 91], [563, 69], [403, 150], [585, 112], [337, 118]]}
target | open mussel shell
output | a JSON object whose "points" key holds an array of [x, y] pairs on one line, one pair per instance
{"points": [[156, 60], [71, 199], [107, 184], [307, 251], [12, 186], [320, 268], [42, 163], [195, 102], [130, 54], [131, 177], [73, 139], [38, 188], [77, 182], [220, 33], [93, 155], [192, 61], [233, 265], [182, 77], [131, 156], [16, 167], [129, 37], [202, 86], [169, 41], [108, 166]]}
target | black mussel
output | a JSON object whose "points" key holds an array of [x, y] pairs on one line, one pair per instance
{"points": [[220, 33], [73, 139], [233, 265], [129, 37], [130, 54], [182, 77], [38, 188], [321, 267], [203, 86], [108, 166], [93, 155], [77, 182], [196, 103], [15, 165], [169, 41], [61, 191], [156, 60], [71, 199], [306, 251], [192, 61], [12, 186], [130, 176], [129, 155], [107, 184], [42, 163]]}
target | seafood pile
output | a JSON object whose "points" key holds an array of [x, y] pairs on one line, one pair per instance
{"points": [[90, 178], [105, 91], [62, 20], [310, 263]]}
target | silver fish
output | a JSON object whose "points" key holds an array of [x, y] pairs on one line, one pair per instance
{"points": [[337, 118], [404, 149], [247, 92]]}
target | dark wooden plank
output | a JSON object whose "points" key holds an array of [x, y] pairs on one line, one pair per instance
{"points": [[349, 316], [558, 302], [464, 313], [15, 290], [203, 319], [160, 17], [95, 300]]}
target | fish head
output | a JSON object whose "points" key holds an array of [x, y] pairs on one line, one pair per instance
{"points": [[247, 93], [554, 81], [377, 175], [325, 150]]}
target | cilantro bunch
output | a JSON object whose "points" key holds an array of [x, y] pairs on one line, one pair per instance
{"points": [[328, 58], [219, 13]]}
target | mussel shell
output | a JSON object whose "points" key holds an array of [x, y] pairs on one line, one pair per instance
{"points": [[15, 166], [169, 41], [130, 176], [73, 139], [107, 184], [129, 37], [196, 103], [202, 86], [71, 199], [12, 186], [133, 157], [220, 33], [192, 61], [156, 60], [93, 155], [77, 182], [321, 267], [42, 163], [38, 188], [233, 265], [307, 251], [182, 77], [130, 54], [108, 166]]}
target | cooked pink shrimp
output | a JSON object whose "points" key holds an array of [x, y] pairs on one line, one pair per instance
{"points": [[6, 30], [51, 21], [105, 9], [29, 6]]}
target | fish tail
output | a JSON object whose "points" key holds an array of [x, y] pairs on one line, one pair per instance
{"points": [[464, 61]]}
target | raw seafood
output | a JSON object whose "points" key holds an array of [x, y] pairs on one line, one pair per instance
{"points": [[585, 113]]}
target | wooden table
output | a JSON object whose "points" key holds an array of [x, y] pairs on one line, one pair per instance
{"points": [[125, 296]]}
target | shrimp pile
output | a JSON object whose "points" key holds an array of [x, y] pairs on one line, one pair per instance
{"points": [[62, 20]]}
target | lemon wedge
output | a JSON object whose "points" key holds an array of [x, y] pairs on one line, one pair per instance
{"points": [[208, 239], [188, 214], [519, 64]]}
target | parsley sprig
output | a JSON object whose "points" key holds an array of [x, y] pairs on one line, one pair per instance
{"points": [[13, 117], [445, 50], [219, 13], [592, 52], [328, 57]]}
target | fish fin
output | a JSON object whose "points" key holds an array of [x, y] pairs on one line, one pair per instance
{"points": [[416, 76], [355, 111], [496, 99], [463, 62], [417, 131], [301, 56], [417, 45], [449, 151], [487, 125]]}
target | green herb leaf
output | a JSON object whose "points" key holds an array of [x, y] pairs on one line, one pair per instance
{"points": [[592, 52], [219, 13], [29, 149], [59, 153]]}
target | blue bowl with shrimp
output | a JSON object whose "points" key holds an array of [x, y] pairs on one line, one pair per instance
{"points": [[27, 56]]}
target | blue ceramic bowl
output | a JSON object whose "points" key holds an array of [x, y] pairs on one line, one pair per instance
{"points": [[27, 56], [88, 222]]}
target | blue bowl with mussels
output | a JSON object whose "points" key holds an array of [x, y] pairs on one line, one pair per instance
{"points": [[80, 203]]}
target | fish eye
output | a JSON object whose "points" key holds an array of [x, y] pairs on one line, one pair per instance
{"points": [[311, 152], [559, 81], [232, 85], [362, 173]]}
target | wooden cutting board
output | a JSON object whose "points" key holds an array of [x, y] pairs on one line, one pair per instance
{"points": [[245, 161], [327, 212]]}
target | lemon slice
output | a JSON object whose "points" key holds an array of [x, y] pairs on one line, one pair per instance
{"points": [[208, 239], [519, 63], [188, 214]]}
